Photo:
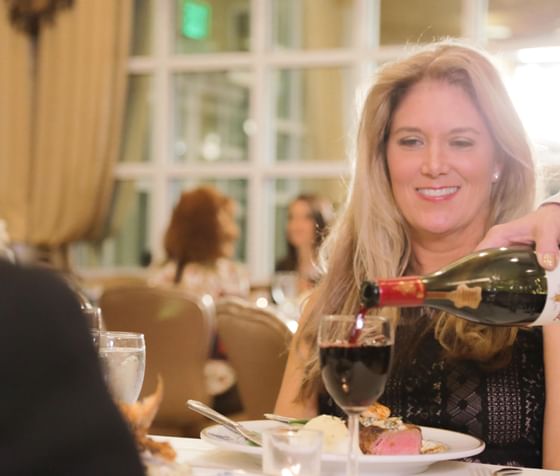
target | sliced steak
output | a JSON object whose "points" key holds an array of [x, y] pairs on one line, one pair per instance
{"points": [[404, 440]]}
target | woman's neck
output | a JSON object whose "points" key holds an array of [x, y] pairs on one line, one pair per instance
{"points": [[305, 258], [432, 254]]}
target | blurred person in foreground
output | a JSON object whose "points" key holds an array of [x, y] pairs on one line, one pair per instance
{"points": [[441, 156], [200, 243], [308, 219], [56, 412]]}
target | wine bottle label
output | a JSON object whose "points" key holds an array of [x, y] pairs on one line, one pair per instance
{"points": [[551, 312], [463, 296], [410, 291], [406, 291]]}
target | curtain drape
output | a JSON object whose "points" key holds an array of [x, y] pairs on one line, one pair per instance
{"points": [[81, 79], [15, 125], [62, 98]]}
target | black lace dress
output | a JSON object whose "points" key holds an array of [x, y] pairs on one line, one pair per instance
{"points": [[505, 408]]}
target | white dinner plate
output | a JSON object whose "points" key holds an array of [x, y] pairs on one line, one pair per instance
{"points": [[458, 445]]}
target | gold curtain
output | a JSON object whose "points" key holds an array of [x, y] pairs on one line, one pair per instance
{"points": [[81, 79], [15, 125]]}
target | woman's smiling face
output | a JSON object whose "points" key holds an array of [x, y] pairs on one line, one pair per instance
{"points": [[441, 160]]}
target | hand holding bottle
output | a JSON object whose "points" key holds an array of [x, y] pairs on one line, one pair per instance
{"points": [[541, 227], [496, 287]]}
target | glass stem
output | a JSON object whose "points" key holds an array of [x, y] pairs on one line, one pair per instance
{"points": [[353, 452]]}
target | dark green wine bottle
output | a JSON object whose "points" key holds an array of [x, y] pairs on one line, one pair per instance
{"points": [[496, 287]]}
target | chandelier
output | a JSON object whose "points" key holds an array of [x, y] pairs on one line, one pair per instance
{"points": [[27, 14]]}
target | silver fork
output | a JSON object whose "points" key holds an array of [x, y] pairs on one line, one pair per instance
{"points": [[286, 419], [482, 471], [249, 435]]}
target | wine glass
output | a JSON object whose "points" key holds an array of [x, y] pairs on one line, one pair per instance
{"points": [[355, 357], [123, 361], [285, 293]]}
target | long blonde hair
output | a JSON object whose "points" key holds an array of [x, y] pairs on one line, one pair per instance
{"points": [[370, 237]]}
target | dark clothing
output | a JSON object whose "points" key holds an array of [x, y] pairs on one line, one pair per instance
{"points": [[505, 408], [56, 415]]}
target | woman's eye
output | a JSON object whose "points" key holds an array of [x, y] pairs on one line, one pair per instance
{"points": [[462, 143], [409, 142]]}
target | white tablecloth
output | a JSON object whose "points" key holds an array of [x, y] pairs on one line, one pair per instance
{"points": [[207, 460]]}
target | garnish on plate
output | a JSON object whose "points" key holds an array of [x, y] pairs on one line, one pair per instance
{"points": [[158, 456], [140, 416]]}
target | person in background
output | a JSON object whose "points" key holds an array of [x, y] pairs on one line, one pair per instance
{"points": [[441, 157], [56, 412], [200, 243], [308, 219]]}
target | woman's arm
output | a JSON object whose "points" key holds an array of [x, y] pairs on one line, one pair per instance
{"points": [[551, 431], [286, 403], [541, 227]]}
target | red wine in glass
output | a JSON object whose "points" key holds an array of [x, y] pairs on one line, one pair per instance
{"points": [[355, 375], [355, 356]]}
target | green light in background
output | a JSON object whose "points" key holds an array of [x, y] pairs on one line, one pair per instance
{"points": [[196, 19]]}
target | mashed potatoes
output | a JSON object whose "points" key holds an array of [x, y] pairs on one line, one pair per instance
{"points": [[335, 433]]}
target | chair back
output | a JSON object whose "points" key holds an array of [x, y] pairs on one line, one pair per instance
{"points": [[256, 342], [178, 330]]}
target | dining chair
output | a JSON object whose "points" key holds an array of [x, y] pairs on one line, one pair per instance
{"points": [[178, 330], [256, 342]]}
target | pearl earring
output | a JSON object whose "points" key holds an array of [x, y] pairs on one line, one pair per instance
{"points": [[496, 176]]}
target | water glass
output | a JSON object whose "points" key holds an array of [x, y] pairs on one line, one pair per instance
{"points": [[284, 286], [291, 452], [93, 317], [123, 360], [285, 293]]}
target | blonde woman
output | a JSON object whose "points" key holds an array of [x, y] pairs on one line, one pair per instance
{"points": [[441, 156]]}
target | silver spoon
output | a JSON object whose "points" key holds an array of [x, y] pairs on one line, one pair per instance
{"points": [[249, 435]]}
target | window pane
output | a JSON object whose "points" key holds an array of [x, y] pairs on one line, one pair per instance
{"points": [[126, 242], [537, 20], [419, 21], [142, 31], [286, 190], [234, 188], [208, 26], [313, 108], [137, 136], [211, 114], [534, 90], [532, 80], [312, 24]]}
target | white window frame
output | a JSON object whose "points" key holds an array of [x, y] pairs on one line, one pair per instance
{"points": [[259, 170]]}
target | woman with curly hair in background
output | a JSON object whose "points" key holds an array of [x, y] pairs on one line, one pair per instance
{"points": [[200, 243]]}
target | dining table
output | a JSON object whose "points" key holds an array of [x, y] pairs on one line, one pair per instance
{"points": [[206, 459]]}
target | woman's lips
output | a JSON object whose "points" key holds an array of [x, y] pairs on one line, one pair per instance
{"points": [[436, 194]]}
